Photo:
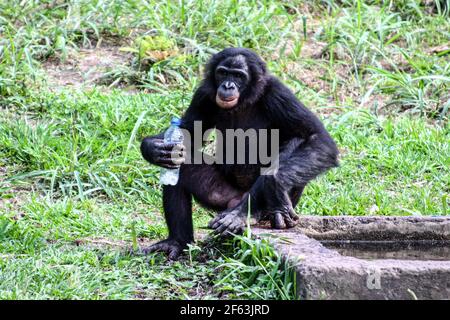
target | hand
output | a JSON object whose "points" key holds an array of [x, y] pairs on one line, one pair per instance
{"points": [[230, 221], [166, 155]]}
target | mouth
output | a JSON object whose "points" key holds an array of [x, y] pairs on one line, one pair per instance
{"points": [[228, 102]]}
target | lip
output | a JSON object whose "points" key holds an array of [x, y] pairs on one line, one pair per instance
{"points": [[228, 99], [229, 103]]}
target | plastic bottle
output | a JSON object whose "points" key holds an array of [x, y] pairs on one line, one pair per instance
{"points": [[172, 135]]}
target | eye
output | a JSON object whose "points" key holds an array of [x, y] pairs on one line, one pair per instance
{"points": [[241, 77], [221, 72]]}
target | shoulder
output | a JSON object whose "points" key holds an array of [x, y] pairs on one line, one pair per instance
{"points": [[277, 94], [287, 111], [273, 85], [203, 92]]}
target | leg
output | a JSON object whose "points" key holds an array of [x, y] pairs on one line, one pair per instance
{"points": [[208, 186], [266, 196], [300, 162], [277, 195], [177, 204], [274, 196], [205, 184]]}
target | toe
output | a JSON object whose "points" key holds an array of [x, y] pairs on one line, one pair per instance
{"points": [[153, 248], [293, 215], [174, 253], [278, 221], [289, 222]]}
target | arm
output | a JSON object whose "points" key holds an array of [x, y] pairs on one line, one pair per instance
{"points": [[318, 151]]}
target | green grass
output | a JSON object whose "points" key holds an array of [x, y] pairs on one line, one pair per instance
{"points": [[75, 194]]}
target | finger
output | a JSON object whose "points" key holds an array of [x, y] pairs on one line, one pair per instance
{"points": [[169, 146], [178, 161], [222, 226], [290, 218], [232, 230], [168, 166], [224, 235], [236, 228], [224, 223], [212, 223], [175, 154], [219, 221], [171, 154], [152, 249], [167, 162]]}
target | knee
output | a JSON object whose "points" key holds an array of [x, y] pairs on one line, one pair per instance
{"points": [[236, 200], [233, 203], [223, 199], [290, 147], [215, 198], [330, 155], [326, 151]]}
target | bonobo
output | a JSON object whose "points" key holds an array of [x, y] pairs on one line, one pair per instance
{"points": [[238, 93]]}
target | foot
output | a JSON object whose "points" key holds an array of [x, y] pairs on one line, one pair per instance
{"points": [[171, 247], [283, 218], [231, 221]]}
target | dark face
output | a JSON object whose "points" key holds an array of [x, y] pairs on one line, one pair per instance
{"points": [[232, 77]]}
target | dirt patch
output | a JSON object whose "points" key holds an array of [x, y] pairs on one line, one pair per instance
{"points": [[103, 242], [313, 76], [85, 67], [12, 197], [309, 47]]}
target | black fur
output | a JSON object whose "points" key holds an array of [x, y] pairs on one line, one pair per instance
{"points": [[306, 151]]}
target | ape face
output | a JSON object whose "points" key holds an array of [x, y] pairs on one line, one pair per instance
{"points": [[231, 79]]}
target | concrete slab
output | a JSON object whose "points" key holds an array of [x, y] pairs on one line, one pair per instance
{"points": [[324, 273]]}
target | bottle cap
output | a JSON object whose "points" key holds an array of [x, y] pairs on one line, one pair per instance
{"points": [[175, 121]]}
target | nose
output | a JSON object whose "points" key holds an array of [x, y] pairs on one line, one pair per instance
{"points": [[229, 85]]}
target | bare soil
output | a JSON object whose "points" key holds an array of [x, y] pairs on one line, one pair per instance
{"points": [[11, 197], [85, 67]]}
